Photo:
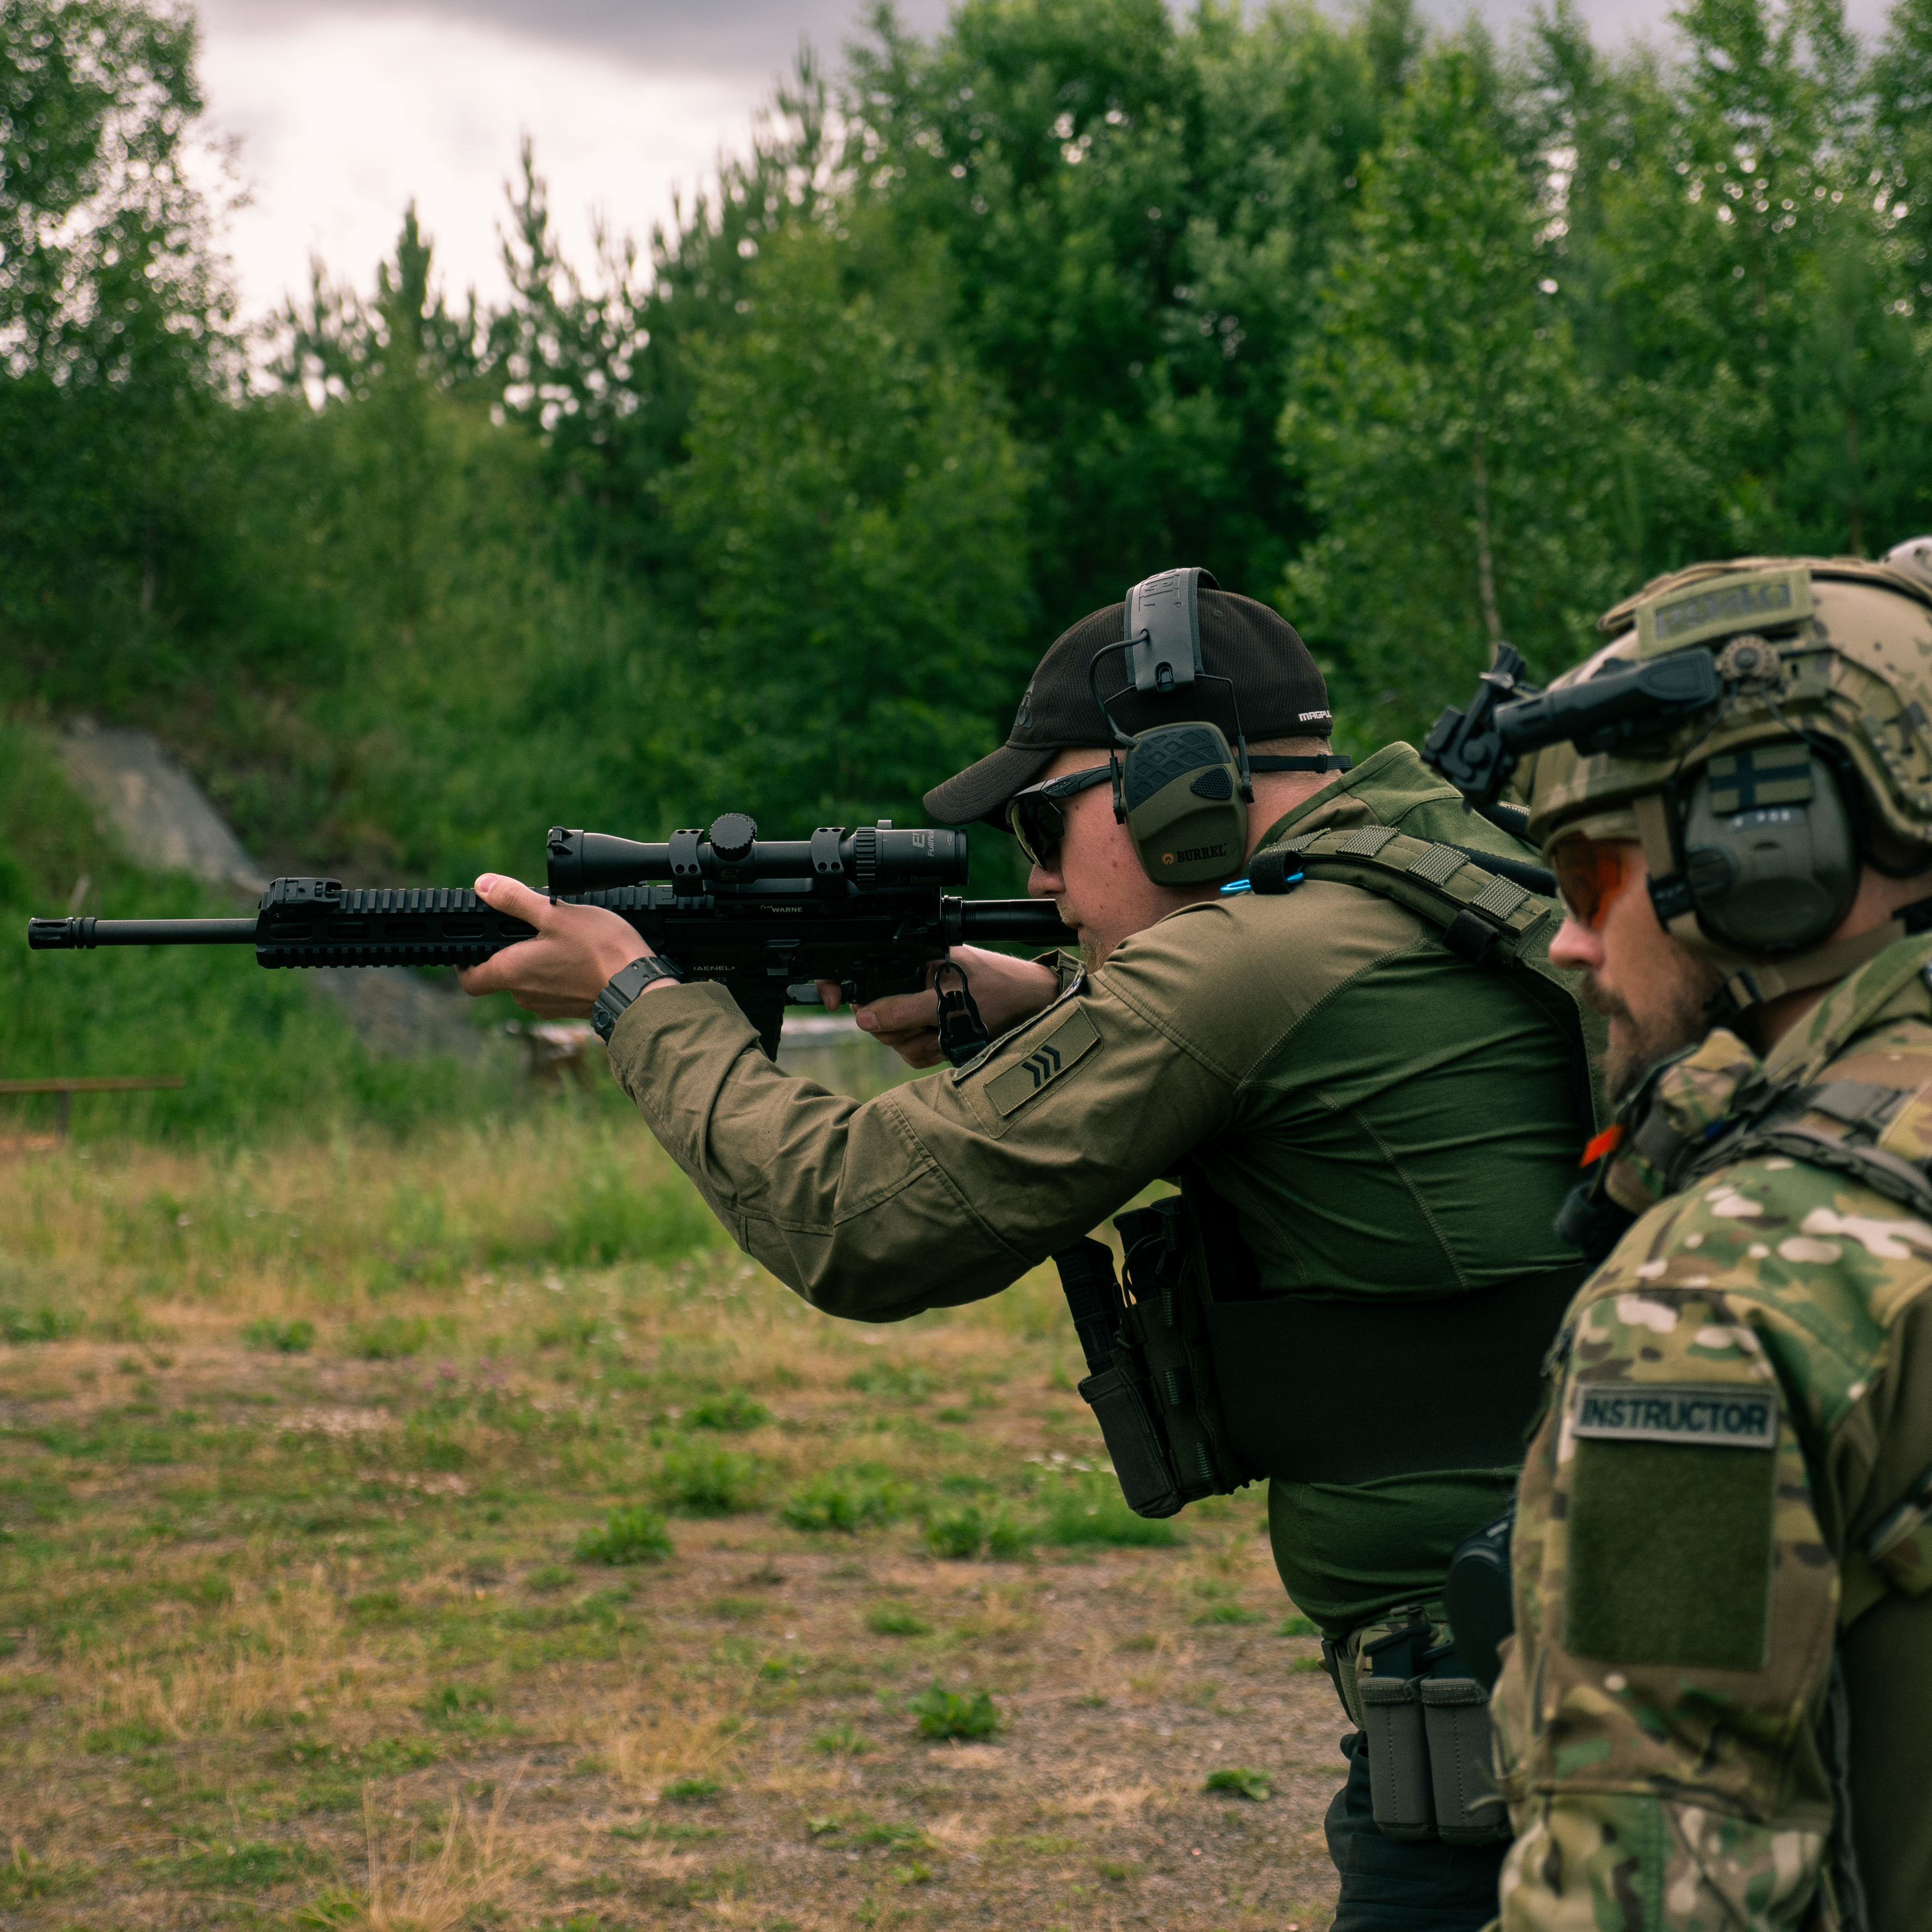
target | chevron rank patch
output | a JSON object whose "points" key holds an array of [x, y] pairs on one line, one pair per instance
{"points": [[1072, 1040]]}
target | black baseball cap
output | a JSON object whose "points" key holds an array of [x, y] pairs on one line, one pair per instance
{"points": [[1281, 693]]}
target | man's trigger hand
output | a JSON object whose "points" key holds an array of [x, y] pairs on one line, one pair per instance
{"points": [[559, 974], [908, 1023]]}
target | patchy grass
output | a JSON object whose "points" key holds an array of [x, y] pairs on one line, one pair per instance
{"points": [[634, 1535], [700, 1480], [734, 1410], [690, 1790], [1242, 1782], [848, 1500], [841, 1738], [942, 1713], [1222, 1614], [286, 1338], [1090, 1508], [366, 1562], [968, 1532]]}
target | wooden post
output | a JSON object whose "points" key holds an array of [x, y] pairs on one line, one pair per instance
{"points": [[67, 1087]]}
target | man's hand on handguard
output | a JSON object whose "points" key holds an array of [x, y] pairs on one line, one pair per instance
{"points": [[1006, 990], [558, 974]]}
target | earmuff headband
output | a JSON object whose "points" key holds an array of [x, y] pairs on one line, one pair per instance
{"points": [[1162, 630], [1181, 791]]}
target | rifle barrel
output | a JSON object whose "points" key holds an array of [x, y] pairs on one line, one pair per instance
{"points": [[1037, 920], [61, 935]]}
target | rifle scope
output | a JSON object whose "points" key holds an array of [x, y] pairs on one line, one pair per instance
{"points": [[731, 853]]}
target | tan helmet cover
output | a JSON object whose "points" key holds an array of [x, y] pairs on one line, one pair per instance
{"points": [[1846, 651], [1913, 557], [1834, 647]]}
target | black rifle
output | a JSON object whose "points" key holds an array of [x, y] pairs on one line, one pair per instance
{"points": [[763, 918]]}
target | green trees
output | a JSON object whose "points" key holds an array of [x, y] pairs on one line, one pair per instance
{"points": [[1595, 318], [115, 349], [853, 505], [449, 670], [1135, 210], [1453, 446], [1434, 341]]}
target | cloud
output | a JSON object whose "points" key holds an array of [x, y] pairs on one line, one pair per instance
{"points": [[342, 123], [345, 110], [754, 38]]}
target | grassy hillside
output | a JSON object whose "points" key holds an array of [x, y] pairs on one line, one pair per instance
{"points": [[774, 512], [261, 1055]]}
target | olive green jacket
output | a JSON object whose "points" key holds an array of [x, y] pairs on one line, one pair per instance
{"points": [[1745, 1393], [1381, 1118]]}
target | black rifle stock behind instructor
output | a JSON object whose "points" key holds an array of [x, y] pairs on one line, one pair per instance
{"points": [[1373, 1115]]}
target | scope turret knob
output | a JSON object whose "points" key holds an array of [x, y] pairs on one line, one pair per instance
{"points": [[866, 857], [733, 835]]}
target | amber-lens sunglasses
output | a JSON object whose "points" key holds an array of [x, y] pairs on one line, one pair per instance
{"points": [[1590, 874], [1036, 819]]}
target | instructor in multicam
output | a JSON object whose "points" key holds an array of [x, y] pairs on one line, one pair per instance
{"points": [[1317, 998], [1718, 1709]]}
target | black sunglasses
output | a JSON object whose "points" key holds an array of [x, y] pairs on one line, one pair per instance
{"points": [[1036, 817]]}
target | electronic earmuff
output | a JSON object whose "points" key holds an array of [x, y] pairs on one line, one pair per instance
{"points": [[1182, 794], [1766, 852], [1181, 791]]}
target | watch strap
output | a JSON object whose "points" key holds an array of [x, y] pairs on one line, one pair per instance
{"points": [[623, 987]]}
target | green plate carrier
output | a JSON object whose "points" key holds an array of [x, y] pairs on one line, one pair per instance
{"points": [[1150, 1381]]}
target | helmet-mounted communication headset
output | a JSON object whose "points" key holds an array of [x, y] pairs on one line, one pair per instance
{"points": [[1181, 791], [1754, 850]]}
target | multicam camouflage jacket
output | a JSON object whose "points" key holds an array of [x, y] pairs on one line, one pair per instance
{"points": [[1718, 1711]]}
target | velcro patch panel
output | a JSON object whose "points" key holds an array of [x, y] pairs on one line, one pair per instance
{"points": [[1721, 605], [1069, 1043]]}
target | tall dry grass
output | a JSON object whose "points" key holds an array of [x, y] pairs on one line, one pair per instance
{"points": [[406, 1891], [102, 1239]]}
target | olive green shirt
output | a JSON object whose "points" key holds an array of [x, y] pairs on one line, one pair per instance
{"points": [[1382, 1119]]}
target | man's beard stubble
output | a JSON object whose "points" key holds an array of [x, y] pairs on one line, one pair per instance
{"points": [[1674, 1019]]}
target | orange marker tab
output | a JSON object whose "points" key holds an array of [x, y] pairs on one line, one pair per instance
{"points": [[1607, 1142]]}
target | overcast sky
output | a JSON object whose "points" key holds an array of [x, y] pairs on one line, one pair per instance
{"points": [[345, 109]]}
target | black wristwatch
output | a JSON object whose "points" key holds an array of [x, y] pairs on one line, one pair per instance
{"points": [[622, 988]]}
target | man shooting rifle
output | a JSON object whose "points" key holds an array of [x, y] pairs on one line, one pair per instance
{"points": [[1315, 998]]}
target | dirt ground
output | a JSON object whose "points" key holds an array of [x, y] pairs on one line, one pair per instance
{"points": [[317, 1629]]}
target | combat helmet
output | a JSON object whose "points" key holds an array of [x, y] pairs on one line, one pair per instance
{"points": [[1762, 726]]}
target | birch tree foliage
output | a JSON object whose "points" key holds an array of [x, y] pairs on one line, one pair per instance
{"points": [[852, 501], [115, 343], [1441, 418]]}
